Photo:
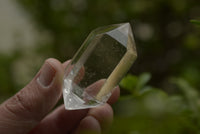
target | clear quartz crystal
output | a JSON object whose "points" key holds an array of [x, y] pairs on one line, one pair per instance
{"points": [[98, 66]]}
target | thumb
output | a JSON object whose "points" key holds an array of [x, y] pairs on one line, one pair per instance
{"points": [[25, 109]]}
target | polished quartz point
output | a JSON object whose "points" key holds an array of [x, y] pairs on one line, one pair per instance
{"points": [[98, 66]]}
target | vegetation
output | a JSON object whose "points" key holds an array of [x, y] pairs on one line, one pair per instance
{"points": [[164, 100]]}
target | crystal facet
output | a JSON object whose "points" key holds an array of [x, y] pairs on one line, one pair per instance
{"points": [[98, 66]]}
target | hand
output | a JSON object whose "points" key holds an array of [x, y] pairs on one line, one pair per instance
{"points": [[28, 110]]}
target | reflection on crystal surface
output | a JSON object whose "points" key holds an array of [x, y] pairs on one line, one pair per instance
{"points": [[107, 53]]}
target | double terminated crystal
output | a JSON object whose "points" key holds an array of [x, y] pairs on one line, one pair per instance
{"points": [[98, 66]]}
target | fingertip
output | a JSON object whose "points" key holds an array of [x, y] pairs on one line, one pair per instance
{"points": [[66, 63], [104, 114], [89, 125], [57, 65], [115, 95], [49, 79]]}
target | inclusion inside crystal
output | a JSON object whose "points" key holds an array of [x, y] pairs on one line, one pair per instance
{"points": [[98, 66]]}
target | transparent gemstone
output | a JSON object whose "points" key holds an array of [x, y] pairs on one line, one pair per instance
{"points": [[98, 66]]}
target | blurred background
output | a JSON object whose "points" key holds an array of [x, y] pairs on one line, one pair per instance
{"points": [[161, 92]]}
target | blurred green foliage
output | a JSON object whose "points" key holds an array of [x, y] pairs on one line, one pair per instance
{"points": [[195, 22], [152, 111], [165, 100]]}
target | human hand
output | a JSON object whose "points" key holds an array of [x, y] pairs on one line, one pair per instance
{"points": [[28, 110]]}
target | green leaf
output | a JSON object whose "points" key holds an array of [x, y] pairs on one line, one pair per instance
{"points": [[195, 22], [191, 94], [135, 84], [129, 82], [142, 80]]}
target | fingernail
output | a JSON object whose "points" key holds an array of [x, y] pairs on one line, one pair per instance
{"points": [[46, 75]]}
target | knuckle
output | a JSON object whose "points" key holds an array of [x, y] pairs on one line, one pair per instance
{"points": [[19, 106], [22, 102], [103, 114]]}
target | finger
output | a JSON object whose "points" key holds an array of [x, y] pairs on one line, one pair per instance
{"points": [[89, 125], [115, 95], [97, 120], [68, 67], [104, 115], [25, 109], [57, 121], [96, 87], [66, 63], [60, 121]]}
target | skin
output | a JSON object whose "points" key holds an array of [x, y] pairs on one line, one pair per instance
{"points": [[30, 110]]}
